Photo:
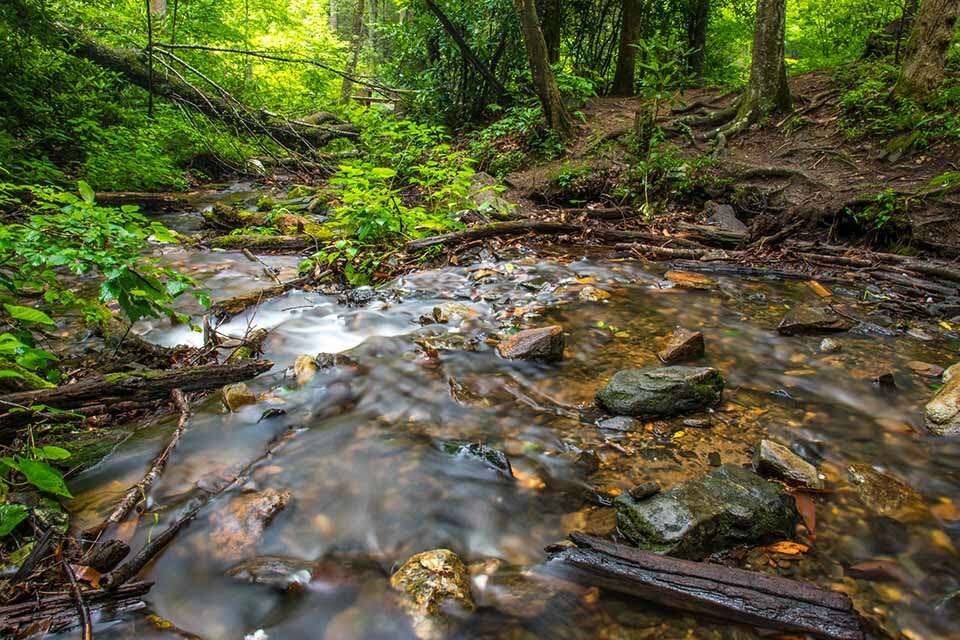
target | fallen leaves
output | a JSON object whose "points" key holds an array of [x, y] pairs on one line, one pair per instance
{"points": [[86, 574], [787, 548]]}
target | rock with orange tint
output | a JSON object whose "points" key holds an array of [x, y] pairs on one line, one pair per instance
{"points": [[544, 343], [431, 584], [237, 529], [804, 320], [682, 345]]}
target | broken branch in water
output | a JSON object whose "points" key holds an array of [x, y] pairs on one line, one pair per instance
{"points": [[496, 229], [138, 492], [57, 613], [747, 597]]}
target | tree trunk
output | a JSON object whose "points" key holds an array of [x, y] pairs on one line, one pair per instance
{"points": [[767, 91], [926, 53], [552, 25], [465, 50], [544, 81], [333, 16], [355, 46], [623, 77], [698, 18]]}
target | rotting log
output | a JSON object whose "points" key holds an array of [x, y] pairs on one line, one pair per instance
{"points": [[142, 385], [59, 611], [146, 200], [260, 242], [496, 229], [746, 597]]}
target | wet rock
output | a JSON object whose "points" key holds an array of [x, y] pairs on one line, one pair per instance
{"points": [[593, 294], [357, 297], [725, 217], [949, 372], [238, 395], [662, 391], [644, 490], [494, 458], [925, 369], [690, 280], [942, 414], [621, 423], [326, 361], [520, 593], [885, 382], [729, 506], [304, 368], [804, 320], [545, 343], [829, 345], [432, 584], [886, 495], [682, 345], [274, 571], [714, 459], [773, 459], [237, 528]]}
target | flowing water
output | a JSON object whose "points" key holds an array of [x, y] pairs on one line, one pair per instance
{"points": [[371, 485]]}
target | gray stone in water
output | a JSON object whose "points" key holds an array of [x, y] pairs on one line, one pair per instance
{"points": [[661, 392], [804, 320], [942, 414], [621, 423], [774, 459], [829, 345], [727, 507], [493, 458], [545, 343]]}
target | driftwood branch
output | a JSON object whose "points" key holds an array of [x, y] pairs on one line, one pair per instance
{"points": [[497, 229], [746, 597]]}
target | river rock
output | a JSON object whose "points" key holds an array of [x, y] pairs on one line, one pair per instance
{"points": [[804, 320], [887, 496], [942, 414], [621, 423], [773, 459], [661, 392], [285, 574], [238, 395], [237, 528], [430, 584], [829, 345], [493, 458], [544, 343], [304, 368], [682, 345], [727, 507]]}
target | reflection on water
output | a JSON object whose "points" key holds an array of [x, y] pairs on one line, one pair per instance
{"points": [[371, 485]]}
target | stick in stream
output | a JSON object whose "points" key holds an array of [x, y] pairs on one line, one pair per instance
{"points": [[497, 229], [83, 612], [747, 597], [138, 492]]}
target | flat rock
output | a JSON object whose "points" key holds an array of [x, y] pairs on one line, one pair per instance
{"points": [[238, 395], [661, 392], [430, 583], [773, 459], [804, 320], [727, 507], [942, 414], [725, 217], [621, 423], [494, 459], [682, 345], [237, 529], [544, 343], [887, 496]]}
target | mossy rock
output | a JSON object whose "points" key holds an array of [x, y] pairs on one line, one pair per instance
{"points": [[661, 392]]}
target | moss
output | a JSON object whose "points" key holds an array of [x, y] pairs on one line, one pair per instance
{"points": [[28, 380]]}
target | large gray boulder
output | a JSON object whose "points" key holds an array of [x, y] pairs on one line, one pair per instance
{"points": [[661, 392], [727, 507]]}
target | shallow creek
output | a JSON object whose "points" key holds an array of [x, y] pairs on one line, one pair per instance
{"points": [[370, 486]]}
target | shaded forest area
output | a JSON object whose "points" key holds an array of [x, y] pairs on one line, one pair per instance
{"points": [[814, 140]]}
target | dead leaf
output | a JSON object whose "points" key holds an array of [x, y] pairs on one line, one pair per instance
{"points": [[86, 574], [946, 509], [808, 511], [787, 548]]}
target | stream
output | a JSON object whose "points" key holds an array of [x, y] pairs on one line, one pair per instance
{"points": [[370, 483]]}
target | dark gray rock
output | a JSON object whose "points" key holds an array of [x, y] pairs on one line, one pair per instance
{"points": [[494, 458], [662, 391], [802, 320], [727, 507], [775, 460]]}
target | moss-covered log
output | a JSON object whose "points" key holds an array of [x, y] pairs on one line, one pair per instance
{"points": [[497, 229], [263, 242]]}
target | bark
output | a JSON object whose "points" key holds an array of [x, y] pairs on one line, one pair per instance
{"points": [[355, 47], [259, 242], [925, 57], [333, 16], [238, 304], [698, 19], [465, 49], [768, 91], [141, 385], [721, 592], [497, 229], [552, 25], [623, 77], [544, 82]]}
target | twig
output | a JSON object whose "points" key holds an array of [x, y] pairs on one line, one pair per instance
{"points": [[82, 611]]}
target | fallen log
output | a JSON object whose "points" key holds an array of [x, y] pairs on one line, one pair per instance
{"points": [[58, 612], [496, 229], [145, 200], [746, 597], [261, 242], [143, 385]]}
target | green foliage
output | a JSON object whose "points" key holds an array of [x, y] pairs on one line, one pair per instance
{"points": [[514, 141], [30, 468]]}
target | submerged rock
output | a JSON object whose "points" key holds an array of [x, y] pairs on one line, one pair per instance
{"points": [[621, 423], [238, 395], [887, 496], [829, 345], [494, 458], [942, 414], [682, 345], [329, 575], [431, 583], [729, 506], [803, 320], [545, 343], [774, 459], [237, 529], [661, 391]]}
